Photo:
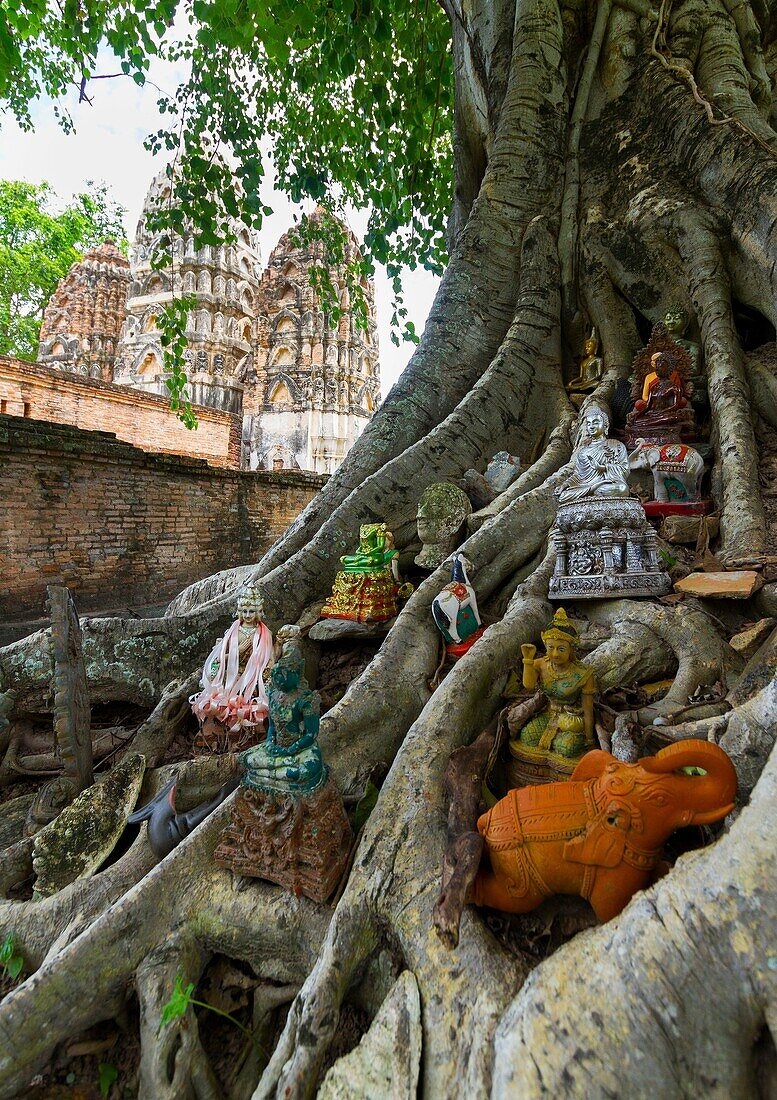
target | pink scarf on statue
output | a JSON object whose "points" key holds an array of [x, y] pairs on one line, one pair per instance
{"points": [[236, 701]]}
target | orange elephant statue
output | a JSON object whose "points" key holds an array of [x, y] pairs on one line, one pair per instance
{"points": [[600, 834]]}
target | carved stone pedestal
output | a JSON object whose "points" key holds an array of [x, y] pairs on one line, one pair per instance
{"points": [[302, 843], [605, 549]]}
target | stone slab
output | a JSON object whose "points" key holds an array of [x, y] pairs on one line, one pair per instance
{"points": [[332, 630], [747, 641], [734, 585]]}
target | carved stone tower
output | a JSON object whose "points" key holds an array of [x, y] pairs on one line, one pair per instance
{"points": [[83, 319], [314, 383], [221, 328]]}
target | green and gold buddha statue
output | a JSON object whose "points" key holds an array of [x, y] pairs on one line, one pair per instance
{"points": [[367, 585], [549, 746]]}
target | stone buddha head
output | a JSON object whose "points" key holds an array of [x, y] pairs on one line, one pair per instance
{"points": [[442, 512], [676, 321], [594, 424]]}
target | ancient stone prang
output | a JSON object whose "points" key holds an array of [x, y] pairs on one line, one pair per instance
{"points": [[316, 381], [220, 328], [84, 317]]}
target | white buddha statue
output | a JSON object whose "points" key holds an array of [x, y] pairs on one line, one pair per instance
{"points": [[601, 464]]}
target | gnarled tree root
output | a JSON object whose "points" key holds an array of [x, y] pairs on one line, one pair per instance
{"points": [[395, 882], [703, 654], [85, 980]]}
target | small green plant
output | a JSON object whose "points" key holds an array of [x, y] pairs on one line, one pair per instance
{"points": [[10, 957], [181, 998], [107, 1075], [365, 805], [667, 559]]}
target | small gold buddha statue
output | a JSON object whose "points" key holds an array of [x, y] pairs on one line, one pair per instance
{"points": [[367, 585], [591, 367], [551, 743]]}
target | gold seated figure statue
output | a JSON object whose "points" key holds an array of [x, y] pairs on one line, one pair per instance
{"points": [[551, 743], [366, 587], [591, 367]]}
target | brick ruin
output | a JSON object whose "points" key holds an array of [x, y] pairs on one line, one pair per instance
{"points": [[314, 385], [83, 319], [260, 347], [146, 420], [123, 528]]}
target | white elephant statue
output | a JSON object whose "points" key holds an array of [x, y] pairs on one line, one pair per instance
{"points": [[677, 470]]}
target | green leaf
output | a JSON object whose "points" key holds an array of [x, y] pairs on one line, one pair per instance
{"points": [[347, 64], [107, 1075], [180, 999], [7, 949], [14, 966], [11, 959], [365, 805]]}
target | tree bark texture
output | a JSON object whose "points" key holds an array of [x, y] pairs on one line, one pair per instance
{"points": [[612, 159]]}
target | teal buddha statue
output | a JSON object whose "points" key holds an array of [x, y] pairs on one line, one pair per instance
{"points": [[289, 760], [288, 822]]}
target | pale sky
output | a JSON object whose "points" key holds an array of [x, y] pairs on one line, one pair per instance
{"points": [[107, 145]]}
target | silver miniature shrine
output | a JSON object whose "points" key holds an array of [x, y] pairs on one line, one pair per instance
{"points": [[605, 547]]}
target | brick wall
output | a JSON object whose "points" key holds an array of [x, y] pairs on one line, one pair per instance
{"points": [[122, 527], [143, 419]]}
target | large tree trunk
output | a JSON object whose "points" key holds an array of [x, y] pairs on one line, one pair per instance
{"points": [[611, 161]]}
